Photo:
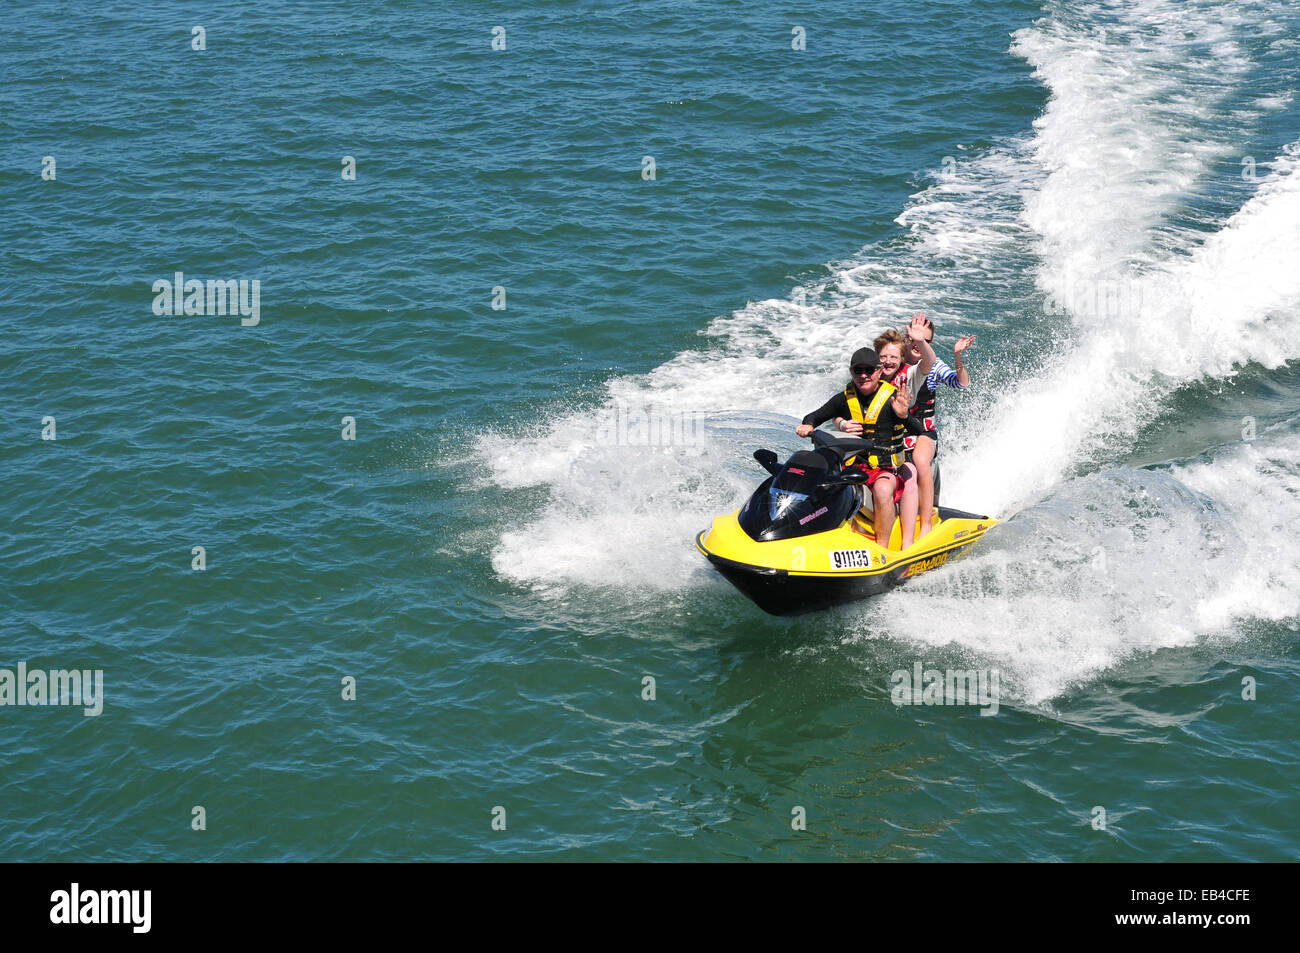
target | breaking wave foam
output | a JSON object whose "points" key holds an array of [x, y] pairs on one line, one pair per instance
{"points": [[1120, 563]]}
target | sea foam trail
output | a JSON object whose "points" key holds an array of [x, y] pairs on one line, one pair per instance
{"points": [[1233, 299], [1124, 138], [1086, 199], [1115, 563], [1118, 564]]}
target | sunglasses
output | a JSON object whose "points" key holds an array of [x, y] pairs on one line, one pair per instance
{"points": [[862, 369]]}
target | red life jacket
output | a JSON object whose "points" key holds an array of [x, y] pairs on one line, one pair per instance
{"points": [[923, 404]]}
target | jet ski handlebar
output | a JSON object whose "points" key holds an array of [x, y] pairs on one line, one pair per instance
{"points": [[844, 447], [769, 460], [847, 478]]}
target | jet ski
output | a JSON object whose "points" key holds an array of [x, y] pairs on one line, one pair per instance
{"points": [[805, 540]]}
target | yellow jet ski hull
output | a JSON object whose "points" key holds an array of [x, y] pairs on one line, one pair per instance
{"points": [[806, 573]]}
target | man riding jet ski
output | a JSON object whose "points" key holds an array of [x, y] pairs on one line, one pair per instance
{"points": [[801, 542], [877, 411]]}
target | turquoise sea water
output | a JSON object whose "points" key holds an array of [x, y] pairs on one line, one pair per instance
{"points": [[499, 570]]}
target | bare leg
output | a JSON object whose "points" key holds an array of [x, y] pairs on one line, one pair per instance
{"points": [[882, 492], [907, 515], [922, 454]]}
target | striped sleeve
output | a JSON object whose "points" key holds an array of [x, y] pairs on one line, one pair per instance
{"points": [[941, 373]]}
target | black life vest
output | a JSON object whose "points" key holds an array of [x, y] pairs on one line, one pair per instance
{"points": [[888, 450], [923, 409], [922, 406]]}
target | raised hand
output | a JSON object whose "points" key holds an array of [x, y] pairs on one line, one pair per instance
{"points": [[916, 330], [962, 344], [903, 400]]}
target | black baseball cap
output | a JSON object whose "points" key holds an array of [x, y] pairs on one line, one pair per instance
{"points": [[865, 357]]}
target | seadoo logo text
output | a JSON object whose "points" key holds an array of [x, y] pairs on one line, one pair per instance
{"points": [[102, 906]]}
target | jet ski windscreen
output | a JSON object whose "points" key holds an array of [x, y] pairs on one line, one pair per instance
{"points": [[793, 503]]}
